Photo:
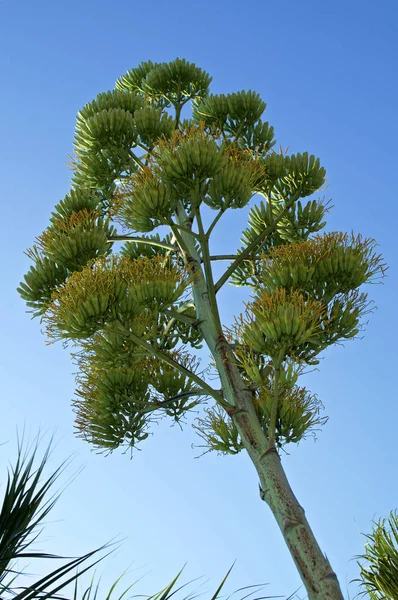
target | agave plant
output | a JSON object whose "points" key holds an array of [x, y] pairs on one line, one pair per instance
{"points": [[379, 575], [137, 315]]}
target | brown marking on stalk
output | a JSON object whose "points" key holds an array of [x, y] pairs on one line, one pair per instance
{"points": [[305, 543], [305, 574], [191, 262], [289, 524], [225, 349], [233, 377], [234, 411], [271, 449], [222, 346], [331, 575]]}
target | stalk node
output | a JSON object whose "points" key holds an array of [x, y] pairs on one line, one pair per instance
{"points": [[269, 450], [234, 411], [330, 575], [262, 492], [289, 524]]}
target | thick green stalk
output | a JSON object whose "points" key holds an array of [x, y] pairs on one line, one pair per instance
{"points": [[314, 568], [274, 408]]}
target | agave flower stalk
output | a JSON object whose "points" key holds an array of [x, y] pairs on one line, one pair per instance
{"points": [[138, 316]]}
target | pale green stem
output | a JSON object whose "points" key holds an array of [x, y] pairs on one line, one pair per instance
{"points": [[178, 315], [156, 405], [168, 360], [178, 108], [274, 409], [181, 236], [204, 244], [136, 159], [183, 229], [228, 257], [214, 223], [187, 395], [140, 240], [315, 570]]}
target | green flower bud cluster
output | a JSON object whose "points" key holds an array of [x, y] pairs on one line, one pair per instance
{"points": [[77, 233], [230, 188], [73, 241], [75, 201], [298, 412], [105, 132], [109, 289], [109, 408], [110, 347], [122, 389], [192, 160], [177, 80], [298, 224], [114, 99], [138, 249], [177, 332], [113, 127], [228, 112], [144, 202], [344, 315], [308, 296], [323, 266], [219, 432], [40, 281], [107, 129], [133, 80], [301, 221], [169, 382], [166, 83], [278, 323], [151, 123], [100, 171], [300, 174], [258, 137]]}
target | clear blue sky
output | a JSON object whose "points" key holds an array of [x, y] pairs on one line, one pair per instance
{"points": [[328, 73]]}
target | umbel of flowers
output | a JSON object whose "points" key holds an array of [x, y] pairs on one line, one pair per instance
{"points": [[124, 272]]}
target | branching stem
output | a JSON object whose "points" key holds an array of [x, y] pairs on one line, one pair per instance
{"points": [[172, 363], [156, 405], [178, 315], [228, 257], [214, 223], [140, 240], [184, 229]]}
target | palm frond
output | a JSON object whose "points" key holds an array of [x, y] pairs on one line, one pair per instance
{"points": [[27, 501], [171, 590], [25, 505], [379, 574]]}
